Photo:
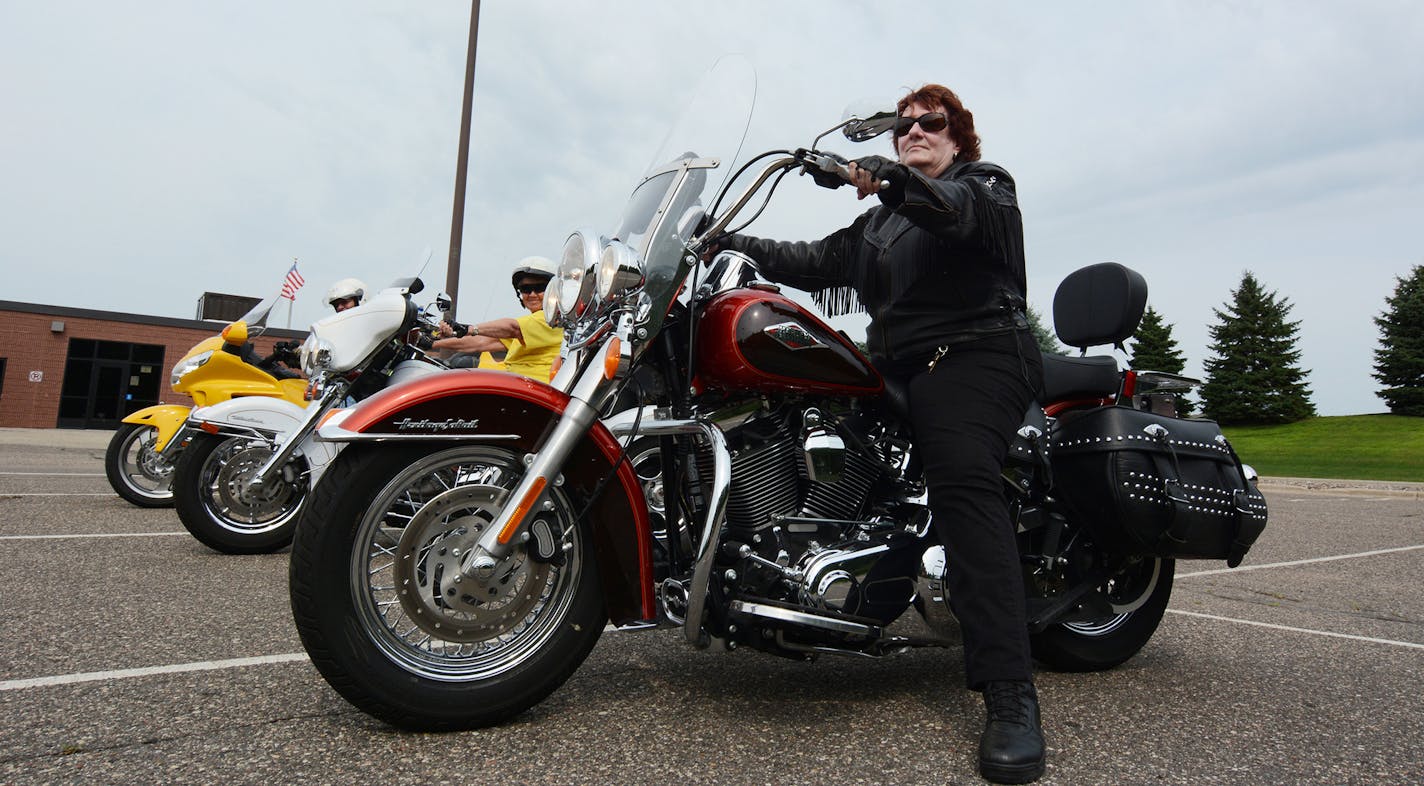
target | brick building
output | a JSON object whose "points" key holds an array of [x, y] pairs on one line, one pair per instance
{"points": [[80, 368]]}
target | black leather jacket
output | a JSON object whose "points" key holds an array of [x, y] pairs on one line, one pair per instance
{"points": [[939, 263]]}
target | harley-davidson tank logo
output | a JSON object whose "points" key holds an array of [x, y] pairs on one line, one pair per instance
{"points": [[448, 424], [793, 336]]}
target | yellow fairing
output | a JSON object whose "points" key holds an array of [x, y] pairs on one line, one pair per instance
{"points": [[166, 418], [294, 390], [226, 376]]}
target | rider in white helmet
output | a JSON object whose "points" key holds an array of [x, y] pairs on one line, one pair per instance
{"points": [[530, 344], [346, 293]]}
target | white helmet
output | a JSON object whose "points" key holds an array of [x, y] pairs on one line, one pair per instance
{"points": [[539, 267], [347, 288]]}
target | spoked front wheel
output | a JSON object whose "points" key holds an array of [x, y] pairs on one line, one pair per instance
{"points": [[393, 623], [220, 506], [135, 470]]}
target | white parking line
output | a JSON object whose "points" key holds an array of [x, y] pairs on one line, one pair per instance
{"points": [[178, 668], [57, 474], [93, 535], [1293, 563], [69, 494], [95, 676], [1273, 626]]}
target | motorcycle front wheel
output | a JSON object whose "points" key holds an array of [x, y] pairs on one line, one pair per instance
{"points": [[219, 506], [135, 470], [1138, 597], [393, 624]]}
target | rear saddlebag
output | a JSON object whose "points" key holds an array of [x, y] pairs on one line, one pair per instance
{"points": [[1156, 485]]}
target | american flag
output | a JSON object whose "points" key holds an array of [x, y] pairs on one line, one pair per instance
{"points": [[293, 283]]}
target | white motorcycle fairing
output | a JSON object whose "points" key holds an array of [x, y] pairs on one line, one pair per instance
{"points": [[273, 418], [352, 335]]}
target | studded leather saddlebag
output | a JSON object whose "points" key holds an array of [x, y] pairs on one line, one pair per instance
{"points": [[1156, 485]]}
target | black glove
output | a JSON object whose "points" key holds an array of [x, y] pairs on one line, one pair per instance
{"points": [[887, 171], [823, 178]]}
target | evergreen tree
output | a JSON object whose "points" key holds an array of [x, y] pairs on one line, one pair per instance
{"points": [[1254, 377], [1047, 344], [1399, 360], [1154, 349]]}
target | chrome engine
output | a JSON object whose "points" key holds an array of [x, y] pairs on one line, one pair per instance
{"points": [[817, 526]]}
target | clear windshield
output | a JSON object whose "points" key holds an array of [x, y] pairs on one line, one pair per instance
{"points": [[696, 159], [256, 317]]}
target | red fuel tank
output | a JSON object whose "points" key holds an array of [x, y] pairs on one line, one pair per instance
{"points": [[759, 339]]}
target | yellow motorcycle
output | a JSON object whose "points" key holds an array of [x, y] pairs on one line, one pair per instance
{"points": [[142, 453]]}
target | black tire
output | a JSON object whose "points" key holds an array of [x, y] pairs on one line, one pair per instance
{"points": [[384, 516], [1139, 596], [135, 471], [205, 483]]}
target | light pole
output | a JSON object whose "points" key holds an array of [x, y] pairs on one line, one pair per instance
{"points": [[457, 217]]}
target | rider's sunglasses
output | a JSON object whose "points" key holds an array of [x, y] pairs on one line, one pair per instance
{"points": [[529, 289], [929, 123]]}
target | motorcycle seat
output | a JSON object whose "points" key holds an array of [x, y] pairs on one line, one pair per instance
{"points": [[1066, 378]]}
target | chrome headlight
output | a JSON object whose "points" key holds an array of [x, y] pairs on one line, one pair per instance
{"points": [[576, 273], [552, 314], [619, 270], [188, 365], [316, 356]]}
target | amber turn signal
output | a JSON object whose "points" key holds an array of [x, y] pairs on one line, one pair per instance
{"points": [[612, 355], [524, 506]]}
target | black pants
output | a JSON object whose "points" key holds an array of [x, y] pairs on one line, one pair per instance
{"points": [[965, 413]]}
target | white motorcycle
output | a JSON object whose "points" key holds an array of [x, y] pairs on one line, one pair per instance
{"points": [[240, 484]]}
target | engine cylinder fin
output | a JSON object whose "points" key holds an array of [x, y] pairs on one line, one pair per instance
{"points": [[763, 482], [844, 498]]}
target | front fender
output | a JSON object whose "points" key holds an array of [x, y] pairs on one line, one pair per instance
{"points": [[165, 418], [248, 413], [471, 405]]}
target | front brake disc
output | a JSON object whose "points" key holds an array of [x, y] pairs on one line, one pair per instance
{"points": [[432, 590]]}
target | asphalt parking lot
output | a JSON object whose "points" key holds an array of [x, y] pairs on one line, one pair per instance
{"points": [[133, 654]]}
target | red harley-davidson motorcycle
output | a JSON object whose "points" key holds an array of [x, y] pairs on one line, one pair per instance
{"points": [[464, 552]]}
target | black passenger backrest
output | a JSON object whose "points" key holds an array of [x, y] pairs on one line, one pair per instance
{"points": [[1099, 304]]}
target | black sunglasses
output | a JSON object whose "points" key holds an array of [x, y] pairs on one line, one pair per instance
{"points": [[529, 289], [929, 122]]}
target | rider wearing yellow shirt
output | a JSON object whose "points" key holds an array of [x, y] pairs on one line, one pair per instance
{"points": [[529, 343]]}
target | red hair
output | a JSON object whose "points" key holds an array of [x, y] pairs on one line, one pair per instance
{"points": [[961, 120]]}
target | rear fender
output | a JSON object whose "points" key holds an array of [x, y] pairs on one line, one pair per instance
{"points": [[467, 406], [165, 418]]}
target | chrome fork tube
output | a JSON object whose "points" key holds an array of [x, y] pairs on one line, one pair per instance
{"points": [[716, 511], [171, 449], [543, 469], [333, 394]]}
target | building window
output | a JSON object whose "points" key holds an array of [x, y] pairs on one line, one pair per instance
{"points": [[105, 381]]}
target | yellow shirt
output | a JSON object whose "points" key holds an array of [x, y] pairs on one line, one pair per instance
{"points": [[534, 358]]}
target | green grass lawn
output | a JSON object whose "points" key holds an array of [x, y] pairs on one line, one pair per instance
{"points": [[1358, 447]]}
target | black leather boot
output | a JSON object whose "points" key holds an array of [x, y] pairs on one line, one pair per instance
{"points": [[1011, 748]]}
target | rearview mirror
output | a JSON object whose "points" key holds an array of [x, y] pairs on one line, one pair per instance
{"points": [[866, 118], [861, 129]]}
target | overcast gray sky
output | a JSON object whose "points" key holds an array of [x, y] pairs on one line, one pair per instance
{"points": [[151, 151]]}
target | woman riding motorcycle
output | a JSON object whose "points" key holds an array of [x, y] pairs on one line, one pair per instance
{"points": [[939, 265]]}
